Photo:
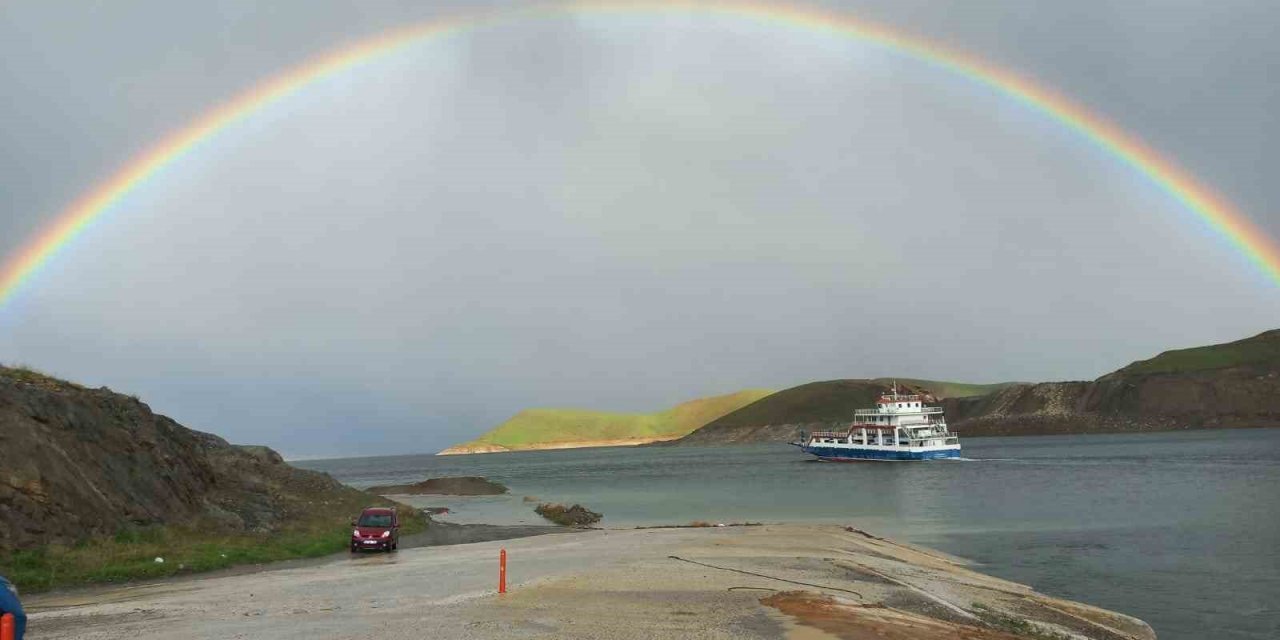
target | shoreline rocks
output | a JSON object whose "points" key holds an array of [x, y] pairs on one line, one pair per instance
{"points": [[451, 486], [574, 516]]}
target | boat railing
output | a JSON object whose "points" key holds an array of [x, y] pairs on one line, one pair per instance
{"points": [[878, 412], [899, 397], [829, 434], [922, 430], [873, 426]]}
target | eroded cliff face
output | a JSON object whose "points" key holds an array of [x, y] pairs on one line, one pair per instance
{"points": [[1238, 397], [78, 462]]}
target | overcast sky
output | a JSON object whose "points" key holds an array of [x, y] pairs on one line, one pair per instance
{"points": [[617, 213]]}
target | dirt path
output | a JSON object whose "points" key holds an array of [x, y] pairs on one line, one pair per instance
{"points": [[814, 581]]}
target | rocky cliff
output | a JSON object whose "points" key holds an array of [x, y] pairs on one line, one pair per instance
{"points": [[77, 462], [1233, 385]]}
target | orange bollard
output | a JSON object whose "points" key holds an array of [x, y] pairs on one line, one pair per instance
{"points": [[7, 627], [502, 571]]}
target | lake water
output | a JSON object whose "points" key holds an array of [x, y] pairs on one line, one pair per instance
{"points": [[1179, 529]]}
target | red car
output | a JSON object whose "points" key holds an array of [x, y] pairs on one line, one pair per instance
{"points": [[377, 528]]}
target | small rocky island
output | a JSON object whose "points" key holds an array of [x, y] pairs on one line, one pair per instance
{"points": [[574, 516], [453, 486]]}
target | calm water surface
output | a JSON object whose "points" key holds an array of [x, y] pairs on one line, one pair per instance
{"points": [[1179, 529]]}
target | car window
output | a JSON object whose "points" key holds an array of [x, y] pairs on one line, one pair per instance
{"points": [[375, 520]]}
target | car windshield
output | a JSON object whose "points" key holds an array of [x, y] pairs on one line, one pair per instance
{"points": [[375, 520]]}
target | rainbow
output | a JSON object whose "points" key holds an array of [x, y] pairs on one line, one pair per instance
{"points": [[1215, 211]]}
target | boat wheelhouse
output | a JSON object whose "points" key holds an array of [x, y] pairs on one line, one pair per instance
{"points": [[900, 427]]}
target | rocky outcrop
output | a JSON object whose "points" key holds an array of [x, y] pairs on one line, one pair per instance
{"points": [[1224, 386], [574, 516], [77, 462], [1238, 397], [454, 486]]}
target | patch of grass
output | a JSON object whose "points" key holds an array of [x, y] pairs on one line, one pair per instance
{"points": [[1015, 625], [549, 426], [31, 375], [131, 553]]}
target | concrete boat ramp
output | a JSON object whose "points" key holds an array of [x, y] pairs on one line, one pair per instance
{"points": [[770, 581]]}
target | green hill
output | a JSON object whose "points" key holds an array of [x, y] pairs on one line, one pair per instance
{"points": [[1235, 385], [778, 416], [563, 428], [1263, 348], [944, 389]]}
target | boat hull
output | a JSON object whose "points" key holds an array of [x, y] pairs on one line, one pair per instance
{"points": [[855, 454]]}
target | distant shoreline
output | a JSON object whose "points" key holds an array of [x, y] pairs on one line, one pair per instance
{"points": [[547, 446], [674, 441]]}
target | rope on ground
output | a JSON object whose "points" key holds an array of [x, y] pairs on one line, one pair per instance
{"points": [[761, 575]]}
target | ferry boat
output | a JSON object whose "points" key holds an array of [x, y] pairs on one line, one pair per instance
{"points": [[900, 427]]}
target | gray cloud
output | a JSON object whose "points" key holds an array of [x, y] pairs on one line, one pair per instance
{"points": [[616, 213]]}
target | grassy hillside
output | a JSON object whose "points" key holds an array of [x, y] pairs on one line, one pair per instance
{"points": [[94, 486], [188, 548], [835, 400], [777, 417], [1263, 348], [944, 389], [538, 427], [826, 401]]}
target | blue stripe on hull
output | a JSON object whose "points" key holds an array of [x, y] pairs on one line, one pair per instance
{"points": [[847, 455]]}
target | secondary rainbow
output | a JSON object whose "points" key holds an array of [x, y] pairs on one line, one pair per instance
{"points": [[1213, 209]]}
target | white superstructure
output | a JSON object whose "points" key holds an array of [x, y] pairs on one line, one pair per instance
{"points": [[900, 427]]}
